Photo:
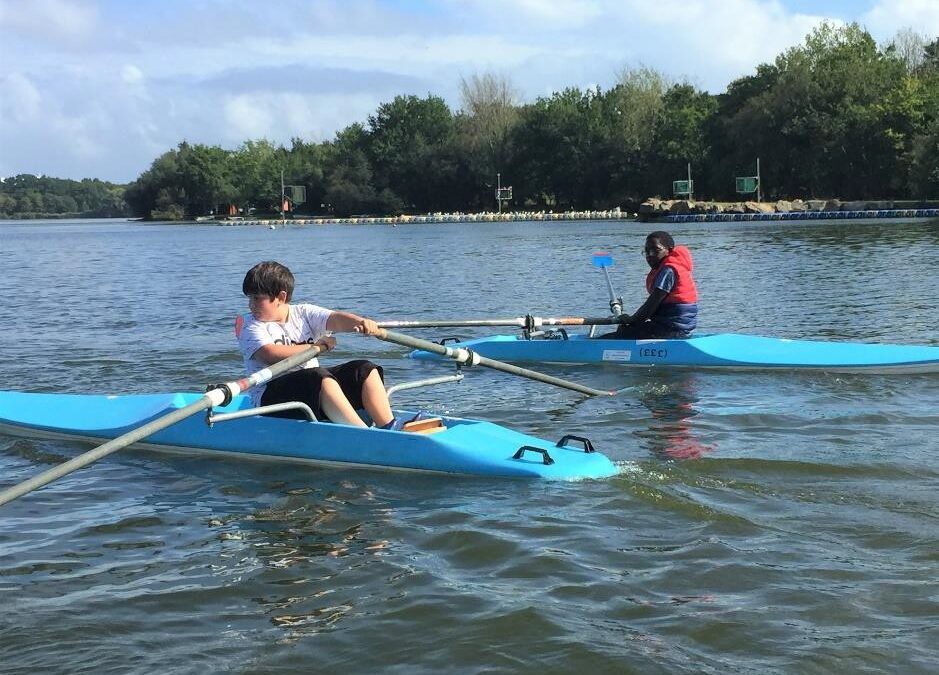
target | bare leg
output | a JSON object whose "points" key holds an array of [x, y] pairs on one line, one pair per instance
{"points": [[375, 399], [337, 407]]}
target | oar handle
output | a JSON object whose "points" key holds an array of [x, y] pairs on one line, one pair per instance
{"points": [[469, 357], [530, 322], [220, 394]]}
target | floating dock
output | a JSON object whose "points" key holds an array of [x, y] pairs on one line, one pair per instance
{"points": [[798, 215]]}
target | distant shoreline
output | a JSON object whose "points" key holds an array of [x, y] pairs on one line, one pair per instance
{"points": [[485, 217], [662, 212]]}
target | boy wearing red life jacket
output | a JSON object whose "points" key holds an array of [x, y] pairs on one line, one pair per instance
{"points": [[671, 310]]}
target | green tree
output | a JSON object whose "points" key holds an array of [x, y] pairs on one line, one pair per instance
{"points": [[256, 168], [349, 186], [7, 205], [482, 144], [204, 174], [305, 165], [812, 118], [924, 163], [681, 134], [143, 193], [568, 154], [408, 149]]}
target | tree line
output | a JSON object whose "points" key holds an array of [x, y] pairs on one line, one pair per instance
{"points": [[836, 116], [27, 196]]}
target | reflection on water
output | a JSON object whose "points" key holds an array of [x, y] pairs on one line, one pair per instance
{"points": [[292, 543], [671, 403], [297, 531]]}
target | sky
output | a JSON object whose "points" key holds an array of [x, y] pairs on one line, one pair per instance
{"points": [[100, 88]]}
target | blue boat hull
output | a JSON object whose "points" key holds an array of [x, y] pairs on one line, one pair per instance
{"points": [[725, 350], [465, 447]]}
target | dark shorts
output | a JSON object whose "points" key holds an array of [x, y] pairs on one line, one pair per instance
{"points": [[643, 331], [304, 386]]}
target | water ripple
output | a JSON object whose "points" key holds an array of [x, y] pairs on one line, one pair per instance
{"points": [[760, 522]]}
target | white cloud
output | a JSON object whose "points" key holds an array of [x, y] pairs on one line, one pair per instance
{"points": [[131, 74], [566, 13], [111, 90], [19, 99], [889, 16], [283, 116], [50, 19], [711, 42], [248, 116], [399, 53], [83, 136]]}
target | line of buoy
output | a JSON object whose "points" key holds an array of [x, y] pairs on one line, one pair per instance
{"points": [[614, 214]]}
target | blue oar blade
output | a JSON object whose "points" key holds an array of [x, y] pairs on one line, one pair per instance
{"points": [[602, 259]]}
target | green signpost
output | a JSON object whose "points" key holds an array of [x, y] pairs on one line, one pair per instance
{"points": [[684, 187], [749, 184]]}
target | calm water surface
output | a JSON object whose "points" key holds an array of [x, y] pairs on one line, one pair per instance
{"points": [[762, 522]]}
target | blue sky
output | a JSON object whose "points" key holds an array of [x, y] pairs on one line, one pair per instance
{"points": [[99, 88]]}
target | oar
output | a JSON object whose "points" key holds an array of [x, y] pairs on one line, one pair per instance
{"points": [[604, 260], [469, 357], [220, 394], [529, 322]]}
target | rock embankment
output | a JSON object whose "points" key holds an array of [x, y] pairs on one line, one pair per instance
{"points": [[655, 208]]}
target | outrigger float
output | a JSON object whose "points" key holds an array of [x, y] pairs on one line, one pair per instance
{"points": [[231, 425]]}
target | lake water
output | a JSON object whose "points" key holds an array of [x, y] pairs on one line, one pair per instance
{"points": [[762, 522]]}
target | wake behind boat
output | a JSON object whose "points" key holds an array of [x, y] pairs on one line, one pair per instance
{"points": [[724, 350], [451, 445]]}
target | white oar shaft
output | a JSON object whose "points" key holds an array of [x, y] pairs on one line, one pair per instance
{"points": [[616, 305], [219, 395], [471, 358], [529, 322], [114, 445]]}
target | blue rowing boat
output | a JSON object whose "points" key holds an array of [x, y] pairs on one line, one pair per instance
{"points": [[451, 445], [725, 350]]}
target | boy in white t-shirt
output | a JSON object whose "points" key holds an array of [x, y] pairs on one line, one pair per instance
{"points": [[276, 329]]}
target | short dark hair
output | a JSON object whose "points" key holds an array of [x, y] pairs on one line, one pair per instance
{"points": [[268, 278], [663, 238]]}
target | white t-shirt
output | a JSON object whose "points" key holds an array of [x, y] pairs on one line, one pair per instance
{"points": [[305, 325]]}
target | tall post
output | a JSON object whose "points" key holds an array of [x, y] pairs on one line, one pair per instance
{"points": [[283, 198], [499, 192], [759, 183], [690, 185]]}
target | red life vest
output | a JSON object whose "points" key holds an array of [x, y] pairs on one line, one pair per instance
{"points": [[679, 259]]}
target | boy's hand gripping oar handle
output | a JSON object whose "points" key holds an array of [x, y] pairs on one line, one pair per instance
{"points": [[528, 322], [471, 358], [220, 394]]}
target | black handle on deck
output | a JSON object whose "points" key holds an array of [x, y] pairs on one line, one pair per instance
{"points": [[521, 451], [588, 446], [443, 341]]}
